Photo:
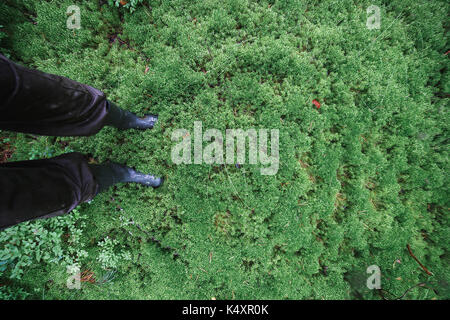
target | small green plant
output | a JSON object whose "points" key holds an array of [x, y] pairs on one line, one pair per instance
{"points": [[6, 293], [109, 256], [129, 4], [50, 241]]}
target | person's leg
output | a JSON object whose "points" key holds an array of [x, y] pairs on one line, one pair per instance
{"points": [[43, 188], [39, 103], [47, 188], [35, 102], [48, 104]]}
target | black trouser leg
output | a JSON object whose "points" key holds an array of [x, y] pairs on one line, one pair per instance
{"points": [[40, 103], [44, 188]]}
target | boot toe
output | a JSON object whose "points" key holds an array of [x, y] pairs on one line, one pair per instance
{"points": [[150, 120], [160, 182], [154, 182]]}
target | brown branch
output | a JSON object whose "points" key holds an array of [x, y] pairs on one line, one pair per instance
{"points": [[417, 260], [420, 285]]}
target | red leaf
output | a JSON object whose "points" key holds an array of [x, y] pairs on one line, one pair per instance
{"points": [[316, 103]]}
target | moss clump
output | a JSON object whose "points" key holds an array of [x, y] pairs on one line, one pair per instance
{"points": [[359, 179]]}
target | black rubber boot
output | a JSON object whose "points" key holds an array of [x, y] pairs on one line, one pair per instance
{"points": [[108, 174], [123, 119]]}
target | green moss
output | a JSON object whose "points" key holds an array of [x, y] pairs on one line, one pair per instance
{"points": [[359, 178]]}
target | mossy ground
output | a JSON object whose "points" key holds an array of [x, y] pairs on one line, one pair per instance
{"points": [[359, 179]]}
